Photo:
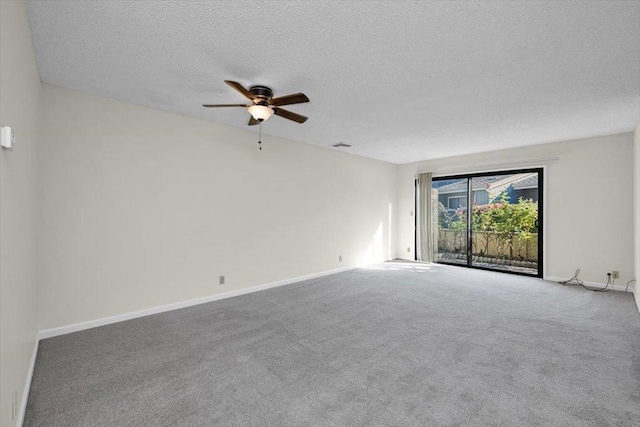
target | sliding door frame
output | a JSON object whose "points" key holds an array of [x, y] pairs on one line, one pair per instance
{"points": [[541, 216]]}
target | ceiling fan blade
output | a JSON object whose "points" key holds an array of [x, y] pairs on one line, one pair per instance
{"points": [[290, 115], [296, 98], [223, 105], [237, 86], [252, 121]]}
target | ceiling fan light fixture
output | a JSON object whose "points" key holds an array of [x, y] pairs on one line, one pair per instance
{"points": [[260, 112]]}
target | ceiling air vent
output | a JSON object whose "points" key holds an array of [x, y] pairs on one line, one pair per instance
{"points": [[341, 145]]}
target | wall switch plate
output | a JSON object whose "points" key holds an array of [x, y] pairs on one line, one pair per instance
{"points": [[7, 138], [615, 274], [221, 280], [340, 258], [408, 249]]}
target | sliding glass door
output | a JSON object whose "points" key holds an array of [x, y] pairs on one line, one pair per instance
{"points": [[491, 220], [453, 233]]}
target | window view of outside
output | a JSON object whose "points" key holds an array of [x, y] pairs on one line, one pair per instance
{"points": [[452, 225], [504, 221]]}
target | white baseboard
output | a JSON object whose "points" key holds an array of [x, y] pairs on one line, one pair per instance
{"points": [[596, 285], [62, 330], [27, 384]]}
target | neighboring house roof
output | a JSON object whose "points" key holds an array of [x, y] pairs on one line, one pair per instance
{"points": [[529, 182], [492, 184]]}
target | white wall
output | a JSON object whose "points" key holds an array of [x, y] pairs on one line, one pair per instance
{"points": [[589, 203], [19, 108], [636, 192], [142, 208]]}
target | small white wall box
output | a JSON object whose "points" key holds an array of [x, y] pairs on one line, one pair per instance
{"points": [[7, 138]]}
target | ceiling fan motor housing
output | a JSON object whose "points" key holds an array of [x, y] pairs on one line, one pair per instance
{"points": [[261, 94]]}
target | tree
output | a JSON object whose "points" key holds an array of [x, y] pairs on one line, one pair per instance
{"points": [[503, 220], [500, 222]]}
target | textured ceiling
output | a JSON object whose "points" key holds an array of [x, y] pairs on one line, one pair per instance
{"points": [[401, 81]]}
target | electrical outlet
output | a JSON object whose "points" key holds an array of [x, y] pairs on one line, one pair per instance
{"points": [[615, 274], [408, 249], [221, 280], [340, 258]]}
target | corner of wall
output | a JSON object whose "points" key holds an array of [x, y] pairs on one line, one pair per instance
{"points": [[396, 211], [636, 198]]}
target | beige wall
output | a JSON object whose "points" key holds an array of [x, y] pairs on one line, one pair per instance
{"points": [[589, 203], [143, 208], [636, 171], [19, 108]]}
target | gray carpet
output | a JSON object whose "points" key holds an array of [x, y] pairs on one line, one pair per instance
{"points": [[402, 344]]}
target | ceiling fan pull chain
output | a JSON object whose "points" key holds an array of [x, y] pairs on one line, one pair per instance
{"points": [[260, 137]]}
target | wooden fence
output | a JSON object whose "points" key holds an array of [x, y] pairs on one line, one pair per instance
{"points": [[489, 244]]}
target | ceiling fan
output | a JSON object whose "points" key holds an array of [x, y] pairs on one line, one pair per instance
{"points": [[263, 104]]}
